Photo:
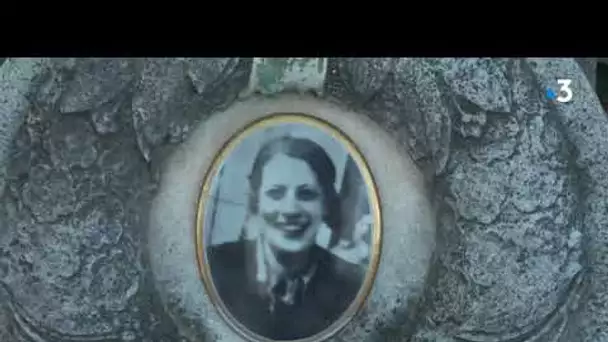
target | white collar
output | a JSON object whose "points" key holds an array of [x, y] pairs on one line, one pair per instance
{"points": [[268, 280], [264, 258]]}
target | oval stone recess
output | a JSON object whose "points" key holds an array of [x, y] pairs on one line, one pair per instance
{"points": [[405, 238]]}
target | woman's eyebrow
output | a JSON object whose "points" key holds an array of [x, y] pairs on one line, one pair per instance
{"points": [[307, 186], [275, 186]]}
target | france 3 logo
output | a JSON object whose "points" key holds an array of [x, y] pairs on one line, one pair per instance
{"points": [[564, 94]]}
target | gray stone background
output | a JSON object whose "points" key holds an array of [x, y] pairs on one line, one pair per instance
{"points": [[522, 240]]}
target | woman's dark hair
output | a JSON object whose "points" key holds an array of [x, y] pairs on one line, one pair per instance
{"points": [[321, 165]]}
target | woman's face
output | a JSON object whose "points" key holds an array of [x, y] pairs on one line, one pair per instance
{"points": [[291, 203]]}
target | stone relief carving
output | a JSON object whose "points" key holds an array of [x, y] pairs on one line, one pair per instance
{"points": [[520, 184], [508, 175]]}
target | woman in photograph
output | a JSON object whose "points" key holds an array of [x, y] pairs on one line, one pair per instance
{"points": [[281, 284]]}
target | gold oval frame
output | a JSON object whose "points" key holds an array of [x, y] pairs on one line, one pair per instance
{"points": [[374, 202]]}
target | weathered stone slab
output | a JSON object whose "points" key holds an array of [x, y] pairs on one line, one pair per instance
{"points": [[517, 180]]}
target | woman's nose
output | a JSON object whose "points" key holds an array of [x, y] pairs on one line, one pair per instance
{"points": [[290, 204]]}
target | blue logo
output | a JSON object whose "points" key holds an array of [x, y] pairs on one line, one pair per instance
{"points": [[551, 95]]}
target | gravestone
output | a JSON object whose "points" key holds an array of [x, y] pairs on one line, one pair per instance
{"points": [[509, 241], [589, 66]]}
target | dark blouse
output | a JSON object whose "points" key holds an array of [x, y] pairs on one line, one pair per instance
{"points": [[329, 293]]}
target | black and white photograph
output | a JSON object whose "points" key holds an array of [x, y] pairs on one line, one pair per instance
{"points": [[288, 230]]}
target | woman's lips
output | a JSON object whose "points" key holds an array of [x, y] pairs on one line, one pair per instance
{"points": [[291, 227], [294, 230]]}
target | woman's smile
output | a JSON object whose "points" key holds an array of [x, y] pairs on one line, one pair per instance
{"points": [[292, 225]]}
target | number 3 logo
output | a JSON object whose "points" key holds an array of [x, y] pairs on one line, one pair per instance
{"points": [[565, 93]]}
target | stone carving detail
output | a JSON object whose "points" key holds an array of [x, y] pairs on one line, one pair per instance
{"points": [[515, 212], [411, 105], [78, 190], [366, 76], [585, 125], [510, 255], [205, 73], [18, 78], [93, 82], [357, 79], [165, 104]]}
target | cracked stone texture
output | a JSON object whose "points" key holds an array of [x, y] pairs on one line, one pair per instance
{"points": [[586, 126], [78, 185], [520, 184], [173, 94], [17, 81], [511, 234]]}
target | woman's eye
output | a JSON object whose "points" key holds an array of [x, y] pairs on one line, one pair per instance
{"points": [[307, 194], [275, 193]]}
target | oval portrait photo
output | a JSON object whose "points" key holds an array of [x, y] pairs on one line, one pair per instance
{"points": [[288, 230]]}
